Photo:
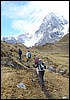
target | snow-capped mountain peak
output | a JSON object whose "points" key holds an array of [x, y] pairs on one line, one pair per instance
{"points": [[52, 29]]}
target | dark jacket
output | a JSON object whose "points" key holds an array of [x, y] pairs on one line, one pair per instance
{"points": [[19, 51], [41, 66]]}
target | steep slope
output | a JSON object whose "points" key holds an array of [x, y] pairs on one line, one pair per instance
{"points": [[65, 38], [56, 85], [7, 48], [60, 46], [64, 43]]}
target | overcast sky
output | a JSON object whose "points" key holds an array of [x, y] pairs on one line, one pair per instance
{"points": [[20, 17]]}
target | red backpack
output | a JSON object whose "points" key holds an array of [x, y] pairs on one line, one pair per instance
{"points": [[36, 60]]}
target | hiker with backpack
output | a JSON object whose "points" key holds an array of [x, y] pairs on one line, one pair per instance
{"points": [[36, 59], [19, 53], [41, 69], [28, 56]]}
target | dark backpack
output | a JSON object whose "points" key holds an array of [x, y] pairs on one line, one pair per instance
{"points": [[41, 66], [19, 51]]}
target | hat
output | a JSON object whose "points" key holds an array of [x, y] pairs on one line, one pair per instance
{"points": [[40, 59]]}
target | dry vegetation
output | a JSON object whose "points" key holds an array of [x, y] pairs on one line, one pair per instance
{"points": [[56, 84]]}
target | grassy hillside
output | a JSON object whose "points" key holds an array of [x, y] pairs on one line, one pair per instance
{"points": [[14, 71]]}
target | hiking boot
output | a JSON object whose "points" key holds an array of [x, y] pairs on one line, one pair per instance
{"points": [[42, 85], [39, 81]]}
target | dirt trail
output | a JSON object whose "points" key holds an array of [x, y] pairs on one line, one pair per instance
{"points": [[44, 89], [46, 92]]}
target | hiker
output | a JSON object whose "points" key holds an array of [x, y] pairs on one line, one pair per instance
{"points": [[36, 59], [28, 56], [41, 69], [19, 53]]}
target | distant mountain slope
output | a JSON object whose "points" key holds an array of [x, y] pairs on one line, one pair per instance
{"points": [[64, 43], [19, 39], [59, 46], [65, 38], [51, 29]]}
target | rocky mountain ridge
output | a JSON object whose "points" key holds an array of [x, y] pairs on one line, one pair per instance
{"points": [[50, 31]]}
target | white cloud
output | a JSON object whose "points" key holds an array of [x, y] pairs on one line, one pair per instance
{"points": [[25, 26], [33, 8], [28, 17]]}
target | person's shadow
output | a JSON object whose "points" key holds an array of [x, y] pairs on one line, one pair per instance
{"points": [[46, 92]]}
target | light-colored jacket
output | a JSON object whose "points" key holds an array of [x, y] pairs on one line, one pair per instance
{"points": [[27, 54]]}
